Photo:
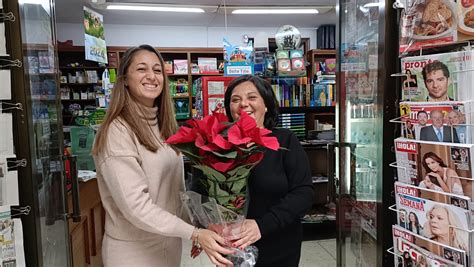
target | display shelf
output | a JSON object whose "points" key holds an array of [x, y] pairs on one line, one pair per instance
{"points": [[321, 109], [80, 84], [82, 68]]}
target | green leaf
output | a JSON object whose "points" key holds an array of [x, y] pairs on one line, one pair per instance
{"points": [[238, 186], [230, 155], [239, 173], [216, 192], [211, 173]]}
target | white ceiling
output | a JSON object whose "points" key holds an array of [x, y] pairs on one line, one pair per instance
{"points": [[70, 11]]}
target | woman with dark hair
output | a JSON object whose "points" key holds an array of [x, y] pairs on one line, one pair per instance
{"points": [[280, 186], [414, 224], [139, 176], [439, 177]]}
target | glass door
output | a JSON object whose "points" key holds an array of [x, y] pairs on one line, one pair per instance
{"points": [[359, 166], [40, 134]]}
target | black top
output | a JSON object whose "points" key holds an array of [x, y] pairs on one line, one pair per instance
{"points": [[281, 192]]}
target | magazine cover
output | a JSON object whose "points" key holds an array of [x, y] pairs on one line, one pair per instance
{"points": [[421, 119], [436, 196], [446, 224], [439, 77], [410, 254], [401, 235], [445, 167], [427, 22], [7, 238]]}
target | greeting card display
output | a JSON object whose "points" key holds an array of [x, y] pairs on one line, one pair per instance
{"points": [[445, 167]]}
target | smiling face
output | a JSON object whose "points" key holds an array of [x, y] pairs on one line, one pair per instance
{"points": [[432, 164], [437, 117], [437, 85], [412, 217], [439, 222], [453, 118], [422, 119], [245, 96], [144, 77]]}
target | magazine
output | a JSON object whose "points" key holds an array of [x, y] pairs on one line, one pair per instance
{"points": [[436, 221], [436, 249], [7, 238], [436, 196], [409, 254], [438, 77], [454, 116], [445, 167], [427, 22]]}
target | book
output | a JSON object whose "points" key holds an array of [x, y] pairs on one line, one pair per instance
{"points": [[401, 236], [180, 66], [207, 65], [447, 77], [458, 114], [438, 166]]}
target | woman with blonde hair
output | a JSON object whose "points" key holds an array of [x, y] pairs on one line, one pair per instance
{"points": [[444, 226], [139, 176]]}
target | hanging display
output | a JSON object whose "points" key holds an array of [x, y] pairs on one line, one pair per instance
{"points": [[95, 46]]}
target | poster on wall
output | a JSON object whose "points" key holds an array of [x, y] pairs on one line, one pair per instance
{"points": [[94, 38]]}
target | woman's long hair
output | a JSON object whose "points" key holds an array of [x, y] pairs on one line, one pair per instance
{"points": [[457, 238], [434, 157], [124, 106], [417, 227]]}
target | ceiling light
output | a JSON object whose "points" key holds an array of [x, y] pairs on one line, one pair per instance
{"points": [[276, 11], [143, 7]]}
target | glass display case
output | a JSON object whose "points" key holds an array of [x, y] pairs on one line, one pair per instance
{"points": [[38, 132], [366, 103]]}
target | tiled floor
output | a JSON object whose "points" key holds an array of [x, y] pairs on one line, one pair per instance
{"points": [[319, 253]]}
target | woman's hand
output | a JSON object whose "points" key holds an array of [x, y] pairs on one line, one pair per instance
{"points": [[249, 234], [428, 182], [212, 243]]}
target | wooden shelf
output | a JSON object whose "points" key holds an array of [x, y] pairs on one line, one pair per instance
{"points": [[325, 109], [82, 100], [80, 84], [83, 68]]}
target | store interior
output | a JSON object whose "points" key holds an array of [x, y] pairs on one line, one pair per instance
{"points": [[374, 91]]}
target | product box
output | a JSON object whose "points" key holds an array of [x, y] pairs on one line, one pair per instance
{"points": [[284, 65], [448, 77], [456, 115], [298, 64], [207, 65], [443, 167], [169, 67], [180, 66], [296, 53], [281, 53]]}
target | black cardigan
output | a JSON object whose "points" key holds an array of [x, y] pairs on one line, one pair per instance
{"points": [[281, 192]]}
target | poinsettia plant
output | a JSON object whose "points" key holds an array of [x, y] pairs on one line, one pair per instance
{"points": [[225, 152]]}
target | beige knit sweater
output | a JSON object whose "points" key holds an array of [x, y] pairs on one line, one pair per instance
{"points": [[140, 189]]}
